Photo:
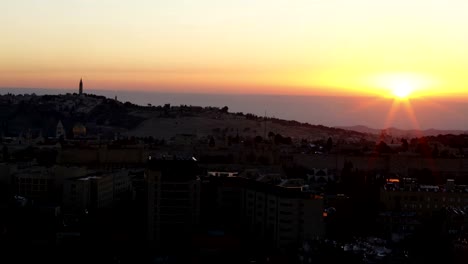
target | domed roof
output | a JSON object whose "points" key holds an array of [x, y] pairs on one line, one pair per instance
{"points": [[79, 129]]}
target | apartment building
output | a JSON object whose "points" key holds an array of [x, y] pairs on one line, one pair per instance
{"points": [[282, 211], [173, 193]]}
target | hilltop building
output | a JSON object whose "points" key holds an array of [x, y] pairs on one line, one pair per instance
{"points": [[80, 91]]}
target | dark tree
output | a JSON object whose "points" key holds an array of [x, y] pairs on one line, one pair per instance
{"points": [[329, 144], [6, 155], [346, 173], [287, 140], [211, 142], [278, 139], [424, 149], [258, 140], [435, 152], [404, 145], [383, 148]]}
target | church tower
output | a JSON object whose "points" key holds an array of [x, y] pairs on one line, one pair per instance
{"points": [[60, 130], [81, 87]]}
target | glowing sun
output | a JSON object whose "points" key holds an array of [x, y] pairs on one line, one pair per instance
{"points": [[403, 86], [401, 89]]}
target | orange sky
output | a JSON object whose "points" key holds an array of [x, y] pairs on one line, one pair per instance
{"points": [[361, 47]]}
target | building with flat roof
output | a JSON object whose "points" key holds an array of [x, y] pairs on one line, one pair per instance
{"points": [[35, 182], [406, 195], [282, 211], [93, 191], [173, 193]]}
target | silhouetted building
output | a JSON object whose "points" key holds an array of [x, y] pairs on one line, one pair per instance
{"points": [[423, 199], [35, 182], [6, 188], [93, 191], [104, 155], [80, 92], [60, 130], [173, 188], [282, 212], [322, 175]]}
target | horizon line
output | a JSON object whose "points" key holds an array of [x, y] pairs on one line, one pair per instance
{"points": [[108, 90]]}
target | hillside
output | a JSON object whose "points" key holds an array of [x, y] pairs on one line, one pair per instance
{"points": [[395, 132], [104, 116]]}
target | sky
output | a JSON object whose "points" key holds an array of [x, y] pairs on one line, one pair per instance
{"points": [[300, 47]]}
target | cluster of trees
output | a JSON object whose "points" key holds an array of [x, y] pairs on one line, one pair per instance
{"points": [[279, 139], [453, 141], [419, 146]]}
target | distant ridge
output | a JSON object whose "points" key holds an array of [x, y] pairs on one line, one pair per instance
{"points": [[396, 132], [108, 117]]}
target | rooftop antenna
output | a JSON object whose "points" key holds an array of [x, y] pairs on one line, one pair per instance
{"points": [[264, 121]]}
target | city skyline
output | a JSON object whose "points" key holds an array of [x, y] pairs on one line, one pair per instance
{"points": [[358, 48], [247, 131]]}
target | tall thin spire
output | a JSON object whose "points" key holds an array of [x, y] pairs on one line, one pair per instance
{"points": [[81, 86]]}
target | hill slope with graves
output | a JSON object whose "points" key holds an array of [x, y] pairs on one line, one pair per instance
{"points": [[106, 117]]}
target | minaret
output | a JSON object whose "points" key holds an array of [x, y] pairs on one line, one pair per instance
{"points": [[81, 87]]}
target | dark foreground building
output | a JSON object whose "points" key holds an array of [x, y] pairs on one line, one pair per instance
{"points": [[173, 188]]}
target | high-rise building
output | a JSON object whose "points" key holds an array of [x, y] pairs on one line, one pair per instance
{"points": [[173, 189]]}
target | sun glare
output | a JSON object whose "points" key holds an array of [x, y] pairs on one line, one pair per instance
{"points": [[402, 90], [402, 86]]}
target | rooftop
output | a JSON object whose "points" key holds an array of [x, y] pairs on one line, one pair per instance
{"points": [[394, 186]]}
